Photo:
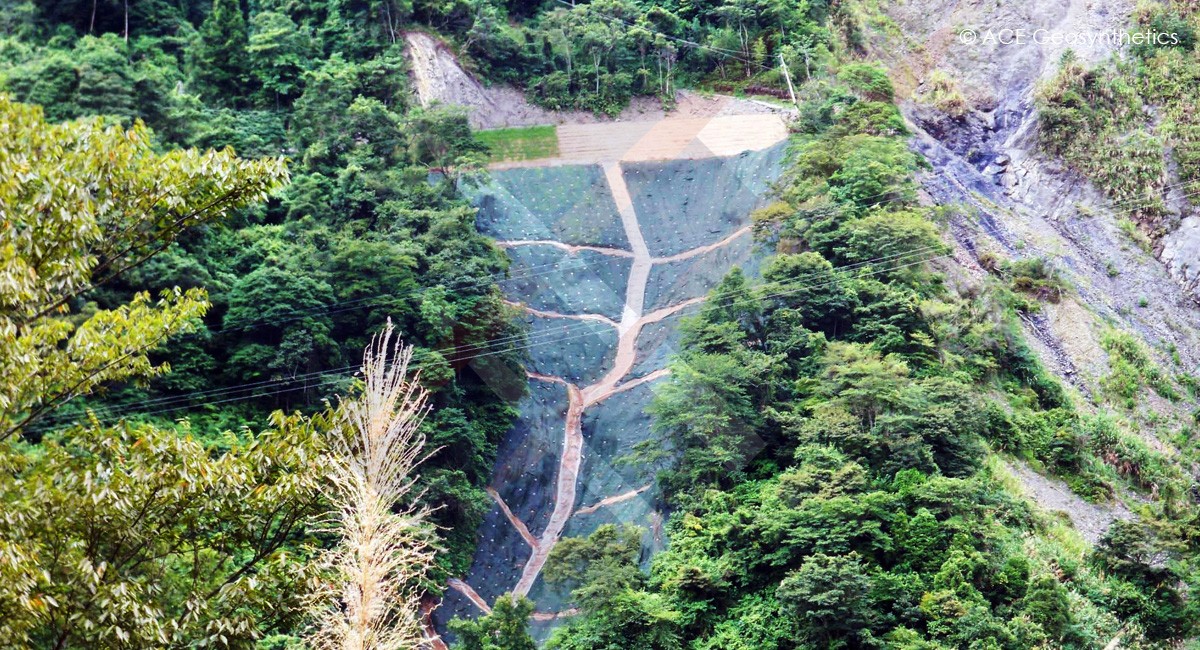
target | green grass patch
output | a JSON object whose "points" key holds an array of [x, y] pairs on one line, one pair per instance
{"points": [[520, 143], [1131, 369]]}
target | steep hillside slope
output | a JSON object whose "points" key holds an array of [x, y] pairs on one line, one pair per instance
{"points": [[606, 258], [645, 241], [612, 242], [1015, 201]]}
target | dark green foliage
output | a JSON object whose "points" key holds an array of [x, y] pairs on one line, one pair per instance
{"points": [[279, 52], [820, 297], [1130, 551], [595, 56], [866, 179], [606, 580], [95, 77], [1149, 573], [1082, 102], [1046, 604], [711, 410], [1034, 277], [599, 568], [828, 595], [871, 118], [867, 81], [360, 236], [891, 241], [831, 486], [1175, 29], [220, 60], [503, 629]]}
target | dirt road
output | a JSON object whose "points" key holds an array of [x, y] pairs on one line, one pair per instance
{"points": [[668, 138]]}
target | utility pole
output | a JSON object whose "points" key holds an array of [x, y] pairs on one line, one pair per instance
{"points": [[788, 77]]}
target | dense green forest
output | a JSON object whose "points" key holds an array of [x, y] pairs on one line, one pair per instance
{"points": [[832, 438], [294, 282], [836, 426], [298, 283]]}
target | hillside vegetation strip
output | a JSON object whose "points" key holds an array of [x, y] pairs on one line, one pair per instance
{"points": [[520, 143]]}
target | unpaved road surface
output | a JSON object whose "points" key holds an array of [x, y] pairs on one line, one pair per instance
{"points": [[668, 138]]}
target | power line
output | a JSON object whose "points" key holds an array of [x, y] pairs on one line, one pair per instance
{"points": [[317, 374], [569, 262], [453, 351], [451, 355], [548, 342], [791, 286]]}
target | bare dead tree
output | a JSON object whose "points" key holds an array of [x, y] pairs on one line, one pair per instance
{"points": [[387, 544]]}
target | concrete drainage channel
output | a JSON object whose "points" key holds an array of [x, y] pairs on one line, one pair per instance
{"points": [[607, 257]]}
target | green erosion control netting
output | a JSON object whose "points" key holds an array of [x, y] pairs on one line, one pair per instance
{"points": [[569, 204], [588, 352], [669, 200], [687, 203], [610, 430], [549, 278], [657, 342], [674, 282], [528, 458], [524, 477]]}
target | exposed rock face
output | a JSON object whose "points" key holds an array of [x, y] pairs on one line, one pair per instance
{"points": [[437, 77], [1181, 253], [993, 71], [999, 79], [1021, 203]]}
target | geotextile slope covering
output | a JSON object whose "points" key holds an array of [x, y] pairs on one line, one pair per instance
{"points": [[606, 261]]}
